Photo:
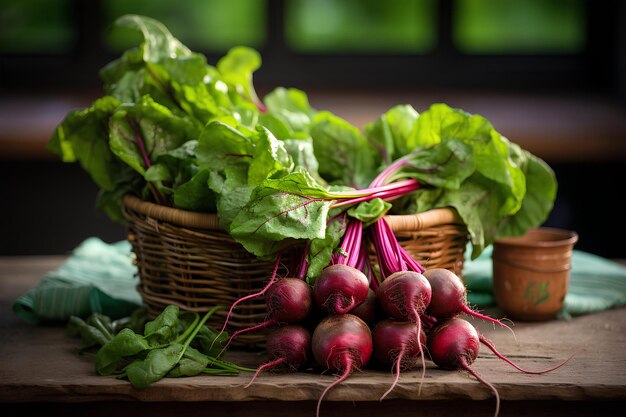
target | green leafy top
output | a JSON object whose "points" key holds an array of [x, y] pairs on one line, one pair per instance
{"points": [[178, 131]]}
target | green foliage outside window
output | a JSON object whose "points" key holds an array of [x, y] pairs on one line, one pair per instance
{"points": [[519, 26]]}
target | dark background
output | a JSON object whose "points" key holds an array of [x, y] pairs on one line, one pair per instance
{"points": [[549, 74]]}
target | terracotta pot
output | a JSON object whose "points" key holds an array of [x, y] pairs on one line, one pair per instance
{"points": [[531, 273]]}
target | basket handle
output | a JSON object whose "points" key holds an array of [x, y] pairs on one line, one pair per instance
{"points": [[424, 220], [398, 223], [180, 217]]}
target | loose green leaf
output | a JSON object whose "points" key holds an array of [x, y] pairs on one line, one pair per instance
{"points": [[209, 341], [123, 345], [143, 372], [192, 363], [90, 335], [164, 328]]}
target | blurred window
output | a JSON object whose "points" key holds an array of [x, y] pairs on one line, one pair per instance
{"points": [[210, 26], [551, 43], [519, 26], [36, 27], [361, 26]]}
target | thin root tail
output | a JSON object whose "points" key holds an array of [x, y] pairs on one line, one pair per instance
{"points": [[463, 364], [264, 367], [491, 347]]}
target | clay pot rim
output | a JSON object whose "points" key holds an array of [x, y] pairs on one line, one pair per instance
{"points": [[543, 237]]}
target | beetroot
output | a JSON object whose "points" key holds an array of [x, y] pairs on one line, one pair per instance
{"points": [[454, 344], [404, 295], [449, 296], [396, 344], [339, 288], [288, 300], [341, 343], [368, 309], [289, 348]]}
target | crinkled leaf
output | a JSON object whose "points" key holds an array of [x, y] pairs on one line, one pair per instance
{"points": [[232, 191], [237, 67], [157, 363], [90, 335], [164, 328], [538, 201], [197, 101], [281, 209], [159, 43], [124, 344], [221, 145], [490, 149], [209, 341], [344, 155], [478, 203], [303, 156], [290, 106], [83, 136], [269, 157], [445, 165], [392, 133], [192, 363], [150, 124], [237, 163], [195, 194]]}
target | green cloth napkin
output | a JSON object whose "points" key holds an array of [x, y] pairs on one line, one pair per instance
{"points": [[98, 277], [596, 283]]}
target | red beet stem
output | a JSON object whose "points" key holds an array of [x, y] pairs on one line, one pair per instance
{"points": [[248, 297]]}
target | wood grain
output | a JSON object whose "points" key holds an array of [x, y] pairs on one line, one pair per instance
{"points": [[40, 365]]}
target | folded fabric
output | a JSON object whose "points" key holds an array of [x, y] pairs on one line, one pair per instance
{"points": [[97, 277], [596, 283]]}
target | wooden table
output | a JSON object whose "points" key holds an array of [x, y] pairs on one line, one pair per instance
{"points": [[41, 374]]}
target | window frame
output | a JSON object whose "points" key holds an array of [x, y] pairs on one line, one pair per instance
{"points": [[591, 69]]}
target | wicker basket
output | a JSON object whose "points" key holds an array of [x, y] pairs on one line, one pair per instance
{"points": [[186, 258]]}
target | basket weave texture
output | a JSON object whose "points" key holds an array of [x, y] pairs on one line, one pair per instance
{"points": [[187, 259]]}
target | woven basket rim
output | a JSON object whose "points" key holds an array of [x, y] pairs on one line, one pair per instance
{"points": [[210, 221]]}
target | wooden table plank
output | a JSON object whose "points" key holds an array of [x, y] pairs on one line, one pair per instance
{"points": [[40, 365]]}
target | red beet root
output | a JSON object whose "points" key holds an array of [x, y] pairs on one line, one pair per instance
{"points": [[339, 288], [396, 344], [289, 348], [341, 343]]}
